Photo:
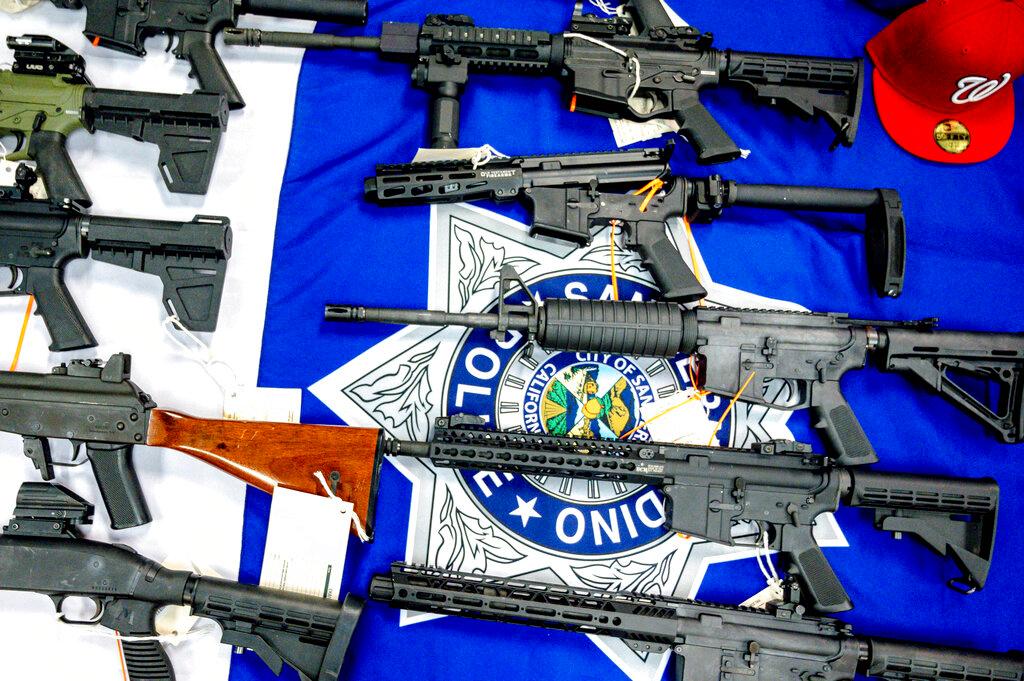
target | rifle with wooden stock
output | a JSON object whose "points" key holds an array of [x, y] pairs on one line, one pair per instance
{"points": [[778, 488]]}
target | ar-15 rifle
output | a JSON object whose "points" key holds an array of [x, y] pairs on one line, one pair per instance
{"points": [[655, 74], [569, 194], [97, 405], [38, 238], [46, 96], [716, 492], [711, 642], [191, 28], [810, 350], [42, 550]]}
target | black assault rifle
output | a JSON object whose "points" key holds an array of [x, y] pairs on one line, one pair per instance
{"points": [[637, 66], [570, 194], [718, 493], [711, 642], [812, 351]]}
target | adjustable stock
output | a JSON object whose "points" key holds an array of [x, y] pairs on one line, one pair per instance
{"points": [[207, 66], [832, 413], [954, 517], [950, 361], [266, 454], [60, 178], [119, 485]]}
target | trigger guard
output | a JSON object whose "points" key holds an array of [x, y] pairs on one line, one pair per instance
{"points": [[14, 287], [962, 585], [58, 601]]}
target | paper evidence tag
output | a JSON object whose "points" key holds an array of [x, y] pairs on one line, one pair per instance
{"points": [[250, 403], [307, 540]]}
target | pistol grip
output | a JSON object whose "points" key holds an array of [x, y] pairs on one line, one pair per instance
{"points": [[61, 180], [68, 331], [207, 66], [826, 592], [119, 486], [146, 661], [832, 413], [704, 133], [676, 281]]}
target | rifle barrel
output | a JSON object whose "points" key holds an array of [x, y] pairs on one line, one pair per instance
{"points": [[393, 315], [252, 37]]}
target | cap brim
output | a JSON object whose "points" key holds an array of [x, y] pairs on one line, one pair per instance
{"points": [[913, 127]]}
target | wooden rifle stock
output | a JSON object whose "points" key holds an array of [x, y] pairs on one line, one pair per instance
{"points": [[267, 454]]}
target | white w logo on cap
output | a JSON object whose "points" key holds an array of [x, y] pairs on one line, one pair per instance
{"points": [[976, 88]]}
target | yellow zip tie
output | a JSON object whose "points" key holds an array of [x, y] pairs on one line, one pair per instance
{"points": [[615, 278], [732, 402], [21, 336]]}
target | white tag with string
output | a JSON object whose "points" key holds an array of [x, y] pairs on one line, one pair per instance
{"points": [[773, 592], [478, 155], [307, 541]]}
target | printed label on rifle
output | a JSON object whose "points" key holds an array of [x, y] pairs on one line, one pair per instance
{"points": [[307, 539]]}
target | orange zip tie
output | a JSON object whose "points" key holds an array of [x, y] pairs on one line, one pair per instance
{"points": [[732, 402], [615, 278], [652, 188], [654, 418], [120, 654], [693, 379], [96, 41], [21, 336], [572, 104], [693, 255]]}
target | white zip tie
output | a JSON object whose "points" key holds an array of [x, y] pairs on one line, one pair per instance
{"points": [[600, 43], [200, 352], [761, 550], [3, 151], [608, 8], [360, 532], [485, 155]]}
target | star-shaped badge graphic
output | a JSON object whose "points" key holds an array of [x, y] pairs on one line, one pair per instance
{"points": [[525, 510]]}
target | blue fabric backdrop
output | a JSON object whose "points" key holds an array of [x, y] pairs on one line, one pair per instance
{"points": [[964, 266]]}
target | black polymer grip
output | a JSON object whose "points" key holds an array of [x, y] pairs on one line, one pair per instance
{"points": [[832, 413], [712, 143], [646, 329], [60, 178], [445, 110], [890, 659], [824, 588], [197, 47], [119, 486], [146, 661], [676, 281], [63, 320], [334, 11]]}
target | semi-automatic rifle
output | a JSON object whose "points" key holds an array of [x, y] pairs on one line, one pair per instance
{"points": [[191, 28], [38, 238], [731, 347], [780, 488], [571, 194], [637, 66], [710, 642], [42, 551], [717, 493], [45, 96]]}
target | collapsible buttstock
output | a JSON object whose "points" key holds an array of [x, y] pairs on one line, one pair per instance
{"points": [[267, 454]]}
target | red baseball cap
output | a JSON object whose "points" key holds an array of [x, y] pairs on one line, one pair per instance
{"points": [[943, 77]]}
